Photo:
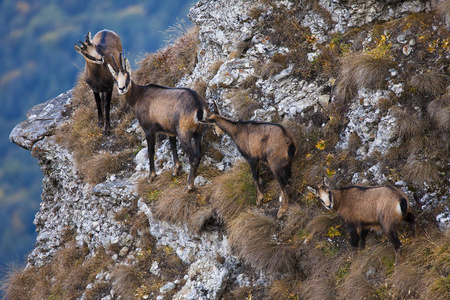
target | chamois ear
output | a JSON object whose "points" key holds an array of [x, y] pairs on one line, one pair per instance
{"points": [[326, 182], [88, 38], [312, 190], [216, 108], [111, 69], [77, 48], [127, 65]]}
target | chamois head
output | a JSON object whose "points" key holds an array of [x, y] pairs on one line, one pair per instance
{"points": [[213, 118], [89, 50], [323, 194], [121, 76]]}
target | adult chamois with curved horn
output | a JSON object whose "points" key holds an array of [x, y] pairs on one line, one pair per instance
{"points": [[364, 207], [97, 53], [176, 112], [261, 141]]}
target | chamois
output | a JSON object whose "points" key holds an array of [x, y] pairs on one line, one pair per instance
{"points": [[160, 109], [363, 208], [97, 53], [261, 141]]}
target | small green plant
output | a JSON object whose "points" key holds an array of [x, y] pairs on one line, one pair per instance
{"points": [[329, 249], [153, 195], [334, 231]]}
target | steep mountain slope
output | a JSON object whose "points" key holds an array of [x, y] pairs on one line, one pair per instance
{"points": [[363, 86]]}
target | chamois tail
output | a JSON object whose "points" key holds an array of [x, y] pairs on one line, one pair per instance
{"points": [[404, 206], [291, 150]]}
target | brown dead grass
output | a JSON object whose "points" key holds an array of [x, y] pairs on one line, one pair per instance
{"points": [[98, 166], [244, 104], [439, 112], [65, 277], [361, 70], [234, 192], [126, 281], [419, 170], [169, 65], [409, 124], [431, 82], [251, 237]]}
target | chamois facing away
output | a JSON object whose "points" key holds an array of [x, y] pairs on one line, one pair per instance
{"points": [[261, 141], [160, 109], [97, 53], [363, 208]]}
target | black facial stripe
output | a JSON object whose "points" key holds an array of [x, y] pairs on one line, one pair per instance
{"points": [[90, 57]]}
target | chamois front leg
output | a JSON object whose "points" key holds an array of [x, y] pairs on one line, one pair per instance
{"points": [[362, 243], [151, 140], [107, 102], [282, 176], [393, 238], [176, 162], [255, 174], [98, 102]]}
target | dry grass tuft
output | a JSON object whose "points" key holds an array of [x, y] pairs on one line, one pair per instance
{"points": [[176, 206], [406, 282], [432, 83], [19, 284], [409, 124], [317, 288], [251, 237], [439, 112], [356, 286], [100, 165], [420, 170], [126, 281], [322, 223], [65, 277], [168, 66], [362, 70], [243, 103], [234, 192]]}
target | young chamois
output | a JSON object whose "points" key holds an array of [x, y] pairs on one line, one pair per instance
{"points": [[363, 208], [97, 53], [261, 141], [159, 109]]}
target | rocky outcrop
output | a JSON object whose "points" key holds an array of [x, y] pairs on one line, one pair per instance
{"points": [[69, 205]]}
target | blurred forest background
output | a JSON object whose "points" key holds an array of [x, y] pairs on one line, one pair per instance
{"points": [[37, 63]]}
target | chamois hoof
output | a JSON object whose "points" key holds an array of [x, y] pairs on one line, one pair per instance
{"points": [[280, 214], [151, 178], [176, 172], [189, 189]]}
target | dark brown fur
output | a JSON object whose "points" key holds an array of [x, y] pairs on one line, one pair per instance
{"points": [[172, 111], [261, 141], [363, 208], [97, 75]]}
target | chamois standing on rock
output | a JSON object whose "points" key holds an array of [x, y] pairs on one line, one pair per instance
{"points": [[160, 109], [97, 53], [363, 208], [261, 141]]}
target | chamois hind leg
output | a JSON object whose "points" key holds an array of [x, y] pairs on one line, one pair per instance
{"points": [[354, 236], [411, 219], [151, 140], [186, 144], [107, 102], [255, 175], [176, 162], [98, 102]]}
